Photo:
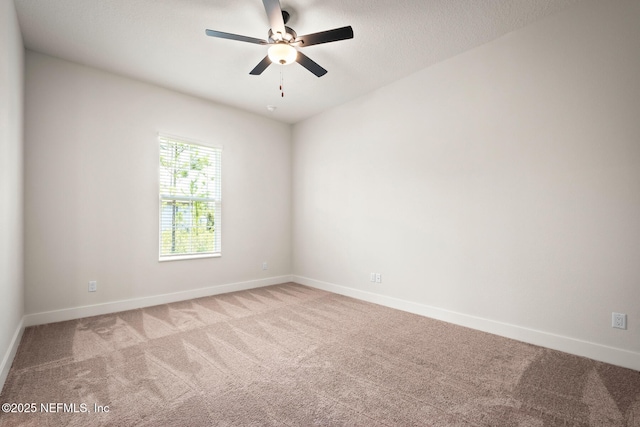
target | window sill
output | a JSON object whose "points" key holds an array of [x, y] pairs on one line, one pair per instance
{"points": [[184, 257]]}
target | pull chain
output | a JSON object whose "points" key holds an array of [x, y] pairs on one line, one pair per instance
{"points": [[281, 84]]}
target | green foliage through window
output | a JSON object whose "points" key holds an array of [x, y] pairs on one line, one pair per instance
{"points": [[190, 198]]}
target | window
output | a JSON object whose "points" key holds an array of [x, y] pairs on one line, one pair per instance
{"points": [[190, 199]]}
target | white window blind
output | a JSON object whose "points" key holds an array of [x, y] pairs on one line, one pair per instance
{"points": [[190, 199]]}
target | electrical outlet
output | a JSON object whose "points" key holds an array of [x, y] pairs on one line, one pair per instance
{"points": [[93, 286], [619, 320], [378, 278], [265, 266], [372, 278]]}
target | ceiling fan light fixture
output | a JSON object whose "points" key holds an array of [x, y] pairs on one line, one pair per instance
{"points": [[282, 53], [283, 41]]}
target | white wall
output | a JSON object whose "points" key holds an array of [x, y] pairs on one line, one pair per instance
{"points": [[499, 189], [11, 185], [91, 199]]}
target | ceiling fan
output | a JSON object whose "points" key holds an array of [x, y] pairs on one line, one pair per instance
{"points": [[283, 41]]}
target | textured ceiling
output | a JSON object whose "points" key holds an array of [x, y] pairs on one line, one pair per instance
{"points": [[164, 42]]}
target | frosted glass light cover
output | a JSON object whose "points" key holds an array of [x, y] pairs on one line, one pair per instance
{"points": [[282, 53]]}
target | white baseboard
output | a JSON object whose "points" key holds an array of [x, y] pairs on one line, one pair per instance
{"points": [[612, 355], [7, 360], [132, 304]]}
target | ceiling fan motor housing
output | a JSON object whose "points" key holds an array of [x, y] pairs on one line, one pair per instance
{"points": [[288, 37]]}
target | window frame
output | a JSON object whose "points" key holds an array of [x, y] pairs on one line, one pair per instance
{"points": [[216, 198]]}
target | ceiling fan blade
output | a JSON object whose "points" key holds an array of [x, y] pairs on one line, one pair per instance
{"points": [[274, 13], [310, 65], [261, 66], [334, 35], [221, 35]]}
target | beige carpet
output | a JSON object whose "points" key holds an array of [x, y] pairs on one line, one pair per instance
{"points": [[290, 355]]}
